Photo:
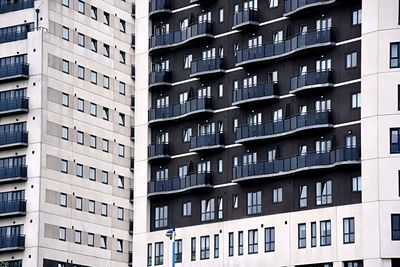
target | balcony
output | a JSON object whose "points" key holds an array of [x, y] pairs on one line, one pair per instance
{"points": [[13, 263], [204, 67], [159, 7], [246, 18], [133, 102], [133, 41], [260, 92], [14, 71], [158, 151], [12, 208], [311, 80], [180, 184], [195, 106], [295, 44], [131, 194], [131, 226], [205, 142], [133, 72], [16, 5], [12, 243], [12, 36], [197, 31], [130, 258], [294, 6], [13, 139], [14, 105], [288, 126], [161, 78], [296, 164], [132, 165], [15, 173]]}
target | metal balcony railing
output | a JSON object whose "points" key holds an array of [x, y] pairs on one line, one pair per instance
{"points": [[255, 93], [206, 141], [245, 17], [14, 71], [16, 5], [207, 66], [15, 104], [311, 80]]}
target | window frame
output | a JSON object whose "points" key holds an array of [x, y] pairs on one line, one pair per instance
{"points": [[349, 236]]}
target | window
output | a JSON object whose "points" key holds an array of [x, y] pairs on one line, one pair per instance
{"points": [[230, 252], [93, 109], [269, 239], [220, 166], [106, 18], [253, 241], [120, 245], [302, 239], [240, 243], [303, 196], [325, 228], [220, 90], [103, 242], [120, 213], [357, 15], [79, 138], [272, 3], [81, 105], [104, 177], [313, 234], [121, 88], [93, 12], [356, 100], [65, 66], [106, 82], [106, 50], [159, 253], [187, 133], [394, 140], [78, 237], [187, 209], [187, 61], [216, 246], [93, 45], [254, 203], [64, 133], [81, 7], [220, 207], [65, 3], [105, 145], [92, 141], [235, 201], [221, 15], [355, 264], [324, 193], [395, 227], [121, 181], [93, 77], [65, 100], [121, 150], [178, 250], [277, 195], [65, 33], [62, 233], [121, 119], [90, 240], [395, 55], [204, 247], [161, 217], [207, 210], [63, 200], [91, 206], [104, 208], [81, 72], [122, 57], [348, 231], [122, 25], [79, 170], [78, 203], [81, 39], [149, 254], [64, 166], [193, 248], [356, 184], [351, 60]]}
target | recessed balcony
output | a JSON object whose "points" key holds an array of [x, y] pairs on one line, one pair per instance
{"points": [[295, 44], [198, 31], [255, 93], [14, 173], [158, 151], [288, 126], [311, 80], [180, 184], [159, 7], [15, 207], [12, 36], [12, 243], [206, 67], [14, 105], [131, 195], [246, 18], [130, 226], [195, 106], [10, 6], [296, 164], [296, 6], [161, 78], [14, 71], [13, 139], [207, 142]]}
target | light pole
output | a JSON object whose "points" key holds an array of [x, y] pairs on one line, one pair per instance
{"points": [[171, 235]]}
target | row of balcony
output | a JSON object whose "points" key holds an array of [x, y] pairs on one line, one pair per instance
{"points": [[11, 6], [14, 71], [12, 243], [292, 7], [15, 207], [12, 36], [260, 170], [13, 139]]}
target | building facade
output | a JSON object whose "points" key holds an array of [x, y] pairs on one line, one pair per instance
{"points": [[66, 90], [253, 144]]}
